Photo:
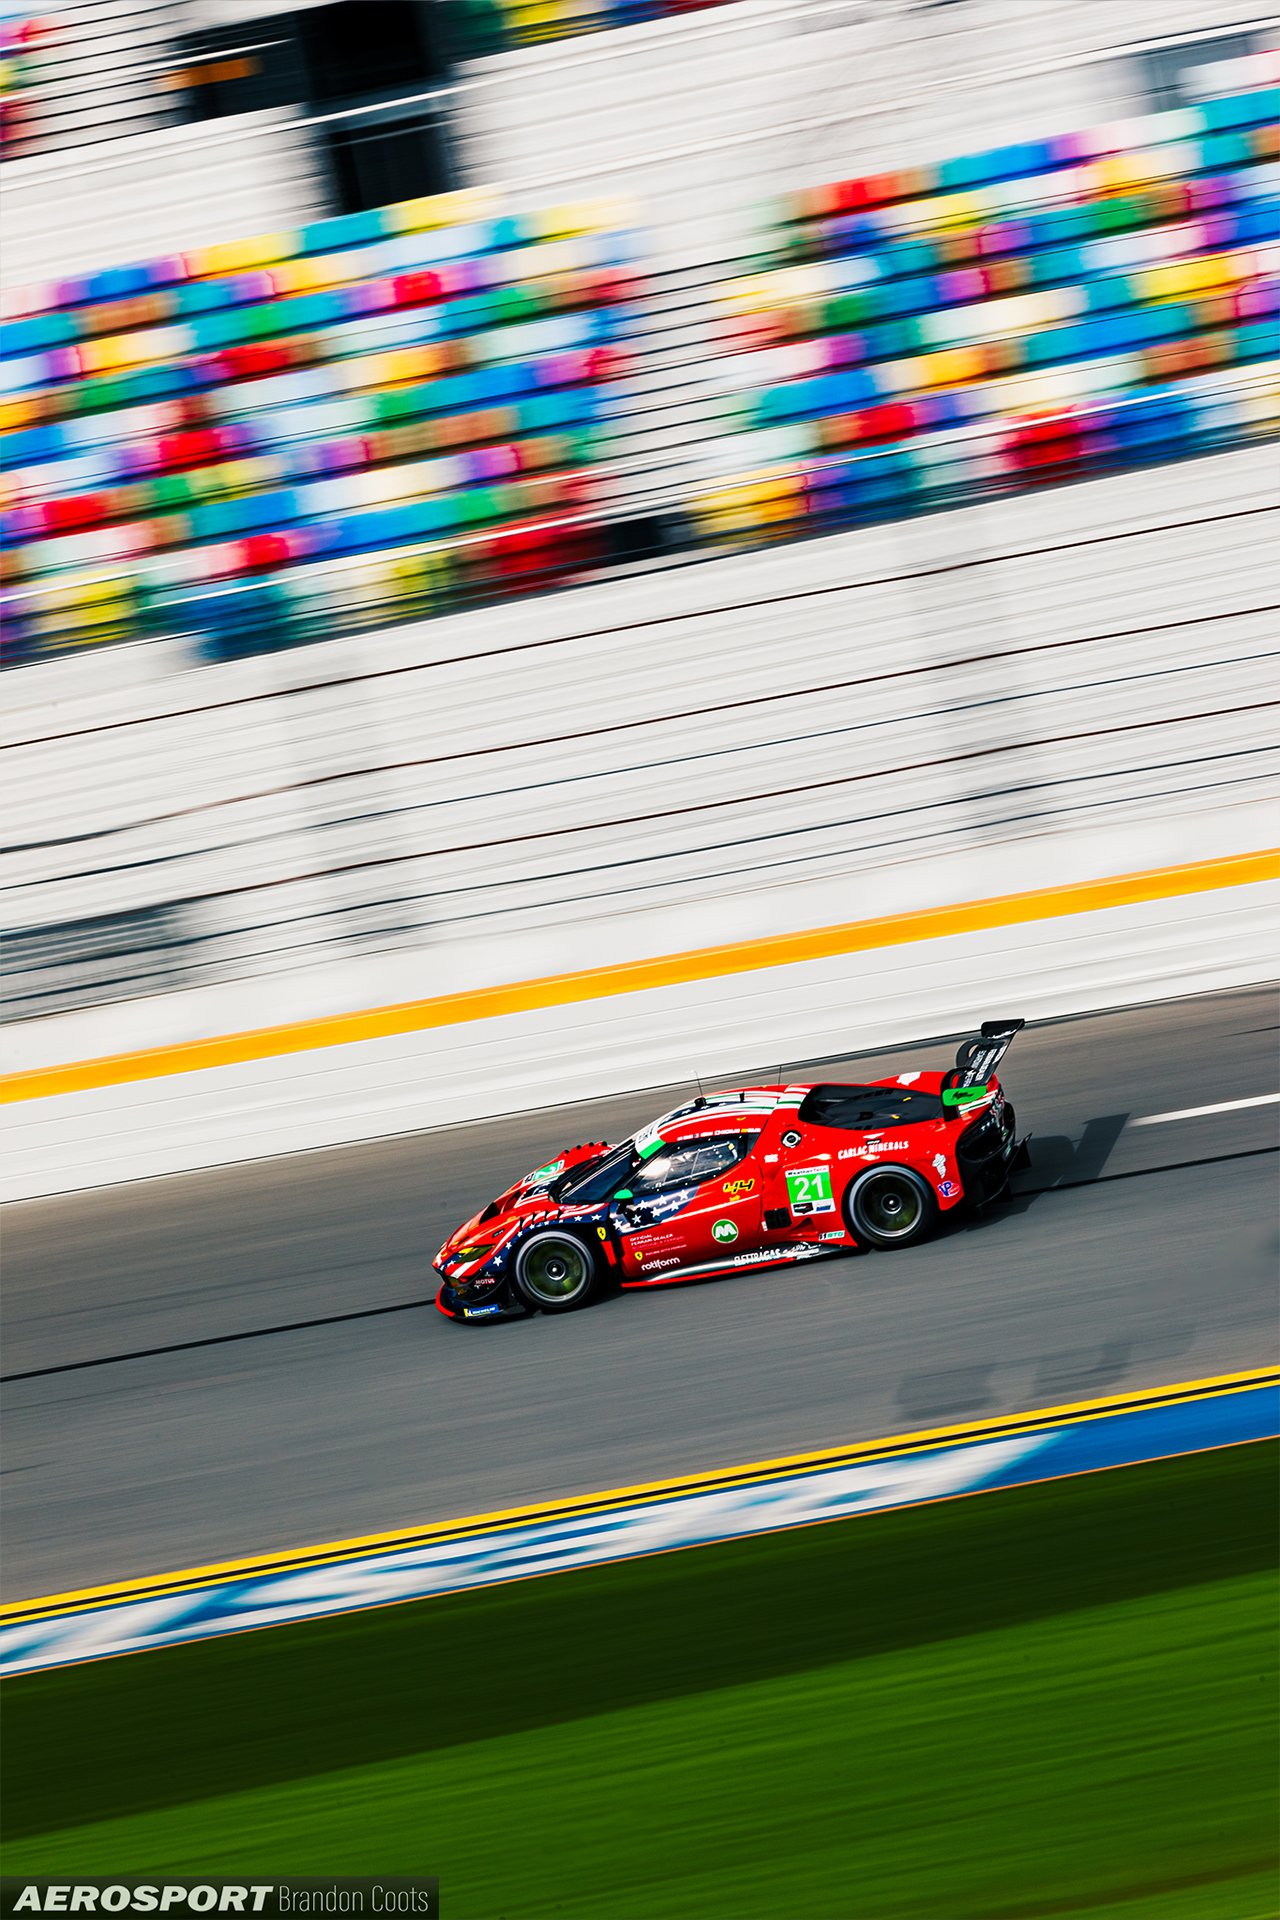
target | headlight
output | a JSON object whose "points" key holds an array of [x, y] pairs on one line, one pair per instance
{"points": [[472, 1252]]}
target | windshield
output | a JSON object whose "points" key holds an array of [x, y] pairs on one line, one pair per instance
{"points": [[690, 1162], [597, 1179]]}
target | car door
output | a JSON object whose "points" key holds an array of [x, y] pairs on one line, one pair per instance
{"points": [[693, 1203]]}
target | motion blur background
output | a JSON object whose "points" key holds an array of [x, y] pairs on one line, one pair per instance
{"points": [[750, 467], [549, 547]]}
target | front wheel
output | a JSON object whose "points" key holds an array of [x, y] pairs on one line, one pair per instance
{"points": [[554, 1272], [889, 1207]]}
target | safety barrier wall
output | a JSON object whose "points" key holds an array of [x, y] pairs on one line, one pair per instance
{"points": [[719, 1014], [209, 1603], [907, 720], [904, 717]]}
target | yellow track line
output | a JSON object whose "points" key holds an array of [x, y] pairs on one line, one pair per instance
{"points": [[598, 983], [295, 1559]]}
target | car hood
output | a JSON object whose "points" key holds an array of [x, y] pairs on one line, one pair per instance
{"points": [[526, 1199]]}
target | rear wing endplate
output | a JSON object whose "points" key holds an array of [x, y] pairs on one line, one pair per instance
{"points": [[978, 1059]]}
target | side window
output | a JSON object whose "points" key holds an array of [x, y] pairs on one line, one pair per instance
{"points": [[689, 1164]]}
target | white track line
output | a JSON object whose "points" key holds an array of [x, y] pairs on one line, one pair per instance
{"points": [[1194, 1113]]}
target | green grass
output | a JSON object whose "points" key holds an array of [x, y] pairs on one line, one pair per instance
{"points": [[1059, 1701]]}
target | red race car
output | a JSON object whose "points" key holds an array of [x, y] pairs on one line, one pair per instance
{"points": [[758, 1177]]}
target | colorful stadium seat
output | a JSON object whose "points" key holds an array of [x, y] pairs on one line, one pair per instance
{"points": [[181, 435], [395, 411], [1099, 298]]}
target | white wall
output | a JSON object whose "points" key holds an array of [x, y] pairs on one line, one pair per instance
{"points": [[448, 1075], [899, 717], [149, 194], [1110, 641]]}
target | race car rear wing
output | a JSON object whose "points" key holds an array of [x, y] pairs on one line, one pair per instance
{"points": [[978, 1059]]}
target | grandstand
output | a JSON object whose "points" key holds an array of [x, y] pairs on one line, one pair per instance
{"points": [[362, 384], [410, 407]]}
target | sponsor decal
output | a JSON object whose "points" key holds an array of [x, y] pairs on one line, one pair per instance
{"points": [[652, 1266], [809, 1190], [649, 1138], [601, 1233], [548, 1172], [662, 1205], [738, 1186], [480, 1313], [940, 1164], [725, 1232], [964, 1096], [836, 1235], [948, 1189], [771, 1159], [907, 1079], [791, 1139], [753, 1259], [887, 1146]]}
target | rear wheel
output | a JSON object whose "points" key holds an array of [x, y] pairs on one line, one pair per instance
{"points": [[554, 1272], [889, 1207]]}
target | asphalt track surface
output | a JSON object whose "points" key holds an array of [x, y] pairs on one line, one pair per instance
{"points": [[240, 1361]]}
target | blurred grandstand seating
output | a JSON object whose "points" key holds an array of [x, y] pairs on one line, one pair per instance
{"points": [[415, 372], [382, 414], [1034, 311]]}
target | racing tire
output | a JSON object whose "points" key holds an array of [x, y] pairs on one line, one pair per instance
{"points": [[889, 1206], [554, 1272]]}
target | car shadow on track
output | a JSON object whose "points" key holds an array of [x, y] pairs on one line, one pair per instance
{"points": [[1056, 1161]]}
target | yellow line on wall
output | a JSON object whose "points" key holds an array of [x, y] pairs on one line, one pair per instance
{"points": [[334, 1552], [677, 969]]}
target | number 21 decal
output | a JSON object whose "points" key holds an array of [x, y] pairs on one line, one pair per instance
{"points": [[809, 1190]]}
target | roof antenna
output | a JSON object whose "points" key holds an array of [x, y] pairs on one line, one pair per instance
{"points": [[702, 1098]]}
